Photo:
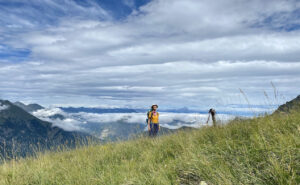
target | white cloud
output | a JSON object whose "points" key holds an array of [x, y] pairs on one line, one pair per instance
{"points": [[77, 121], [129, 3], [68, 124], [171, 52], [45, 113], [3, 107], [169, 120]]}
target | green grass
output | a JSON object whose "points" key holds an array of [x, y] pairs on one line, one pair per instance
{"points": [[257, 151]]}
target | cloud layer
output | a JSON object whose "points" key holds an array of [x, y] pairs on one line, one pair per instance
{"points": [[174, 53], [79, 121]]}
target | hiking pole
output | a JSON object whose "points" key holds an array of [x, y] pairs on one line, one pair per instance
{"points": [[208, 119]]}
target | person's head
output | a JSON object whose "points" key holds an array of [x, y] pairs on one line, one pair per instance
{"points": [[211, 110], [154, 107]]}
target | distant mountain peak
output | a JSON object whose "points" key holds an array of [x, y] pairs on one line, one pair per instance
{"points": [[30, 107], [19, 103]]}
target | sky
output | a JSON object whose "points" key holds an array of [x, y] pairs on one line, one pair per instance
{"points": [[134, 53]]}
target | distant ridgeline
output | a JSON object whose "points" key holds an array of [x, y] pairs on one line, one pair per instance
{"points": [[22, 133], [30, 107], [291, 106], [97, 110]]}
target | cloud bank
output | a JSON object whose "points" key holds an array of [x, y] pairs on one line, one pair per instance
{"points": [[68, 123], [79, 121]]}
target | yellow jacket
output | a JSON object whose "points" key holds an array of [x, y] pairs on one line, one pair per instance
{"points": [[154, 118]]}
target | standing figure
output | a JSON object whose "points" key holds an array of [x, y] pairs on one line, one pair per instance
{"points": [[212, 112], [153, 121]]}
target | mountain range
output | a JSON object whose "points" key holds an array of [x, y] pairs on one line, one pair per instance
{"points": [[21, 133]]}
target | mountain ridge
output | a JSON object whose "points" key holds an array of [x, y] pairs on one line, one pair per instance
{"points": [[289, 106], [30, 107], [21, 132]]}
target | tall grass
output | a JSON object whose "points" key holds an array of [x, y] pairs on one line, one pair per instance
{"points": [[262, 150]]}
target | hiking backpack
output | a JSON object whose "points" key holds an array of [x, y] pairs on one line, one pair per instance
{"points": [[148, 116]]}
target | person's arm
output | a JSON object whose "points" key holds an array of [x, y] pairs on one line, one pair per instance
{"points": [[149, 120]]}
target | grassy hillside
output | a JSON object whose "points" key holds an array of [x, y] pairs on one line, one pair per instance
{"points": [[257, 151]]}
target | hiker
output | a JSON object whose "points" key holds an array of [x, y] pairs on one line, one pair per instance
{"points": [[212, 112], [153, 121]]}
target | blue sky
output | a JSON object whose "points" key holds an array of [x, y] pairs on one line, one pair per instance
{"points": [[44, 14], [137, 52]]}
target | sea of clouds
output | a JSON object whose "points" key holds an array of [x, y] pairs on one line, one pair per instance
{"points": [[77, 121]]}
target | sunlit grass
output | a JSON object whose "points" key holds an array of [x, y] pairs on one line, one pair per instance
{"points": [[261, 150]]}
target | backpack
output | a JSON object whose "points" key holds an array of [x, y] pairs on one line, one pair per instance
{"points": [[148, 116]]}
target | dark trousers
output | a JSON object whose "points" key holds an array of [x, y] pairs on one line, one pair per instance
{"points": [[153, 129], [214, 121]]}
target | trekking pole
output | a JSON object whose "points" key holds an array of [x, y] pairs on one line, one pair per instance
{"points": [[208, 119]]}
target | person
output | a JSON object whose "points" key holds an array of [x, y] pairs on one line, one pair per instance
{"points": [[212, 112], [153, 121]]}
